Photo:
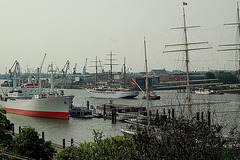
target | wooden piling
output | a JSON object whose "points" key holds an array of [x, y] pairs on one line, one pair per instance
{"points": [[114, 115], [202, 116], [43, 135], [13, 130], [209, 118], [71, 141], [87, 104], [198, 116], [173, 114], [63, 143], [169, 114], [157, 118], [19, 130], [104, 110]]}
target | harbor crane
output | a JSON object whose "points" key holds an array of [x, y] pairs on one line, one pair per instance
{"points": [[39, 74], [74, 69], [65, 68], [102, 70], [85, 68], [15, 72]]}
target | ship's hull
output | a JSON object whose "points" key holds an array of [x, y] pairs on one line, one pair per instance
{"points": [[113, 94], [53, 107]]}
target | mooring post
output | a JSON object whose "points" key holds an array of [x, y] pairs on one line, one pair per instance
{"points": [[157, 118], [43, 135], [13, 130], [104, 110], [202, 116], [63, 143], [173, 114], [113, 115], [87, 104], [169, 114], [71, 141], [209, 118], [19, 129], [198, 116]]}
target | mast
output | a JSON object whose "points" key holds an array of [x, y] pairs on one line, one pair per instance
{"points": [[96, 71], [237, 44], [124, 72], [52, 79], [111, 66], [96, 82], [39, 72], [147, 90], [186, 50], [187, 66]]}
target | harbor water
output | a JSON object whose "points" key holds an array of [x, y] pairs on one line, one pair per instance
{"points": [[226, 114]]}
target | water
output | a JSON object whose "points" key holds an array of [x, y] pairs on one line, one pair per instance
{"points": [[81, 129]]}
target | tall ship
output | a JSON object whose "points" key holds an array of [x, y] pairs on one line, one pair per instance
{"points": [[109, 91], [31, 100]]}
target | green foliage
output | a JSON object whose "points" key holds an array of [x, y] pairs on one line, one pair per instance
{"points": [[5, 139], [210, 75], [228, 78], [2, 155], [183, 139], [3, 119], [29, 144]]}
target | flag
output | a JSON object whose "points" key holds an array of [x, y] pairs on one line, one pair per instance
{"points": [[133, 82], [184, 3]]}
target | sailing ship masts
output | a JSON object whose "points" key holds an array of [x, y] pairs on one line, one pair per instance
{"points": [[169, 45], [147, 90], [222, 45], [237, 40], [96, 70], [187, 66], [186, 27], [230, 24], [124, 70], [96, 78], [185, 50], [229, 49], [111, 67], [238, 19]]}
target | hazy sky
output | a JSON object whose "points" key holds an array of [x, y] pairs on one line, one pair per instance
{"points": [[78, 29]]}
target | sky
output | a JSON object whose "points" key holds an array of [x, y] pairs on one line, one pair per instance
{"points": [[78, 29]]}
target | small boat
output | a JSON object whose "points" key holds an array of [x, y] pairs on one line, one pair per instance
{"points": [[80, 112], [120, 107], [98, 115], [129, 130], [204, 91], [152, 96]]}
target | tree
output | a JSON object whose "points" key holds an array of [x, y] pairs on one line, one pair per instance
{"points": [[30, 145], [210, 75], [5, 139], [228, 78], [182, 139]]}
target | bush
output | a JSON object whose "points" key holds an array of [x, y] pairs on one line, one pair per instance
{"points": [[182, 139], [30, 145]]}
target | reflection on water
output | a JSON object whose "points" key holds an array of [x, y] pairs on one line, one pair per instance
{"points": [[81, 129]]}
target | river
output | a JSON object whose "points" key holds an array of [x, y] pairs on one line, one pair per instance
{"points": [[226, 114]]}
